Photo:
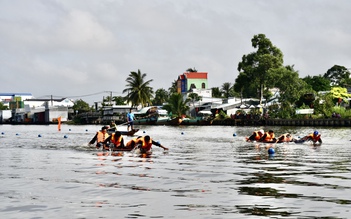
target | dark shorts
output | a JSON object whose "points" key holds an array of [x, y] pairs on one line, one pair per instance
{"points": [[131, 123]]}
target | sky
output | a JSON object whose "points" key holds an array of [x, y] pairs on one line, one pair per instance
{"points": [[85, 49]]}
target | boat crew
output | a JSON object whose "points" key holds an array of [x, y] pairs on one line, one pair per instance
{"points": [[314, 137], [268, 137], [114, 141], [256, 135], [144, 143], [287, 137], [100, 137]]}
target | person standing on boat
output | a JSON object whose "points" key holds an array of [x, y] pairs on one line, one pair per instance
{"points": [[144, 143], [100, 137], [256, 136], [114, 141], [130, 120]]}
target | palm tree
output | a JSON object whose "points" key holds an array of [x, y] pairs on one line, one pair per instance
{"points": [[176, 105], [139, 91], [226, 89], [194, 97]]}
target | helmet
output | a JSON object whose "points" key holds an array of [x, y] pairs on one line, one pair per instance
{"points": [[315, 133], [261, 130]]}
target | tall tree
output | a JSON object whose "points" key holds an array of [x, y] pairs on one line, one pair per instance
{"points": [[118, 100], [161, 96], [173, 88], [176, 105], [290, 85], [194, 97], [336, 74], [226, 89], [138, 90], [216, 93], [257, 66], [80, 106], [318, 83]]}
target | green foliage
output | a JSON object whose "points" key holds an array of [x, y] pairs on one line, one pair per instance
{"points": [[161, 96], [118, 100], [256, 68], [139, 91], [216, 93], [317, 83], [3, 107], [221, 115], [344, 113], [340, 93], [176, 105], [324, 105], [173, 88], [226, 89], [81, 106], [337, 74]]}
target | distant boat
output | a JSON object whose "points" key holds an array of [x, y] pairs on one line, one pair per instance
{"points": [[164, 119], [146, 116], [203, 118]]}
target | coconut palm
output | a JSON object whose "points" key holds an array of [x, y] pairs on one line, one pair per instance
{"points": [[139, 91], [193, 97], [176, 105]]}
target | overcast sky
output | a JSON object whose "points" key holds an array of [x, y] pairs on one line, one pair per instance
{"points": [[76, 48]]}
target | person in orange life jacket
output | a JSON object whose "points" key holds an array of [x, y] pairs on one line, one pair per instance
{"points": [[256, 136], [315, 137], [143, 143], [114, 141], [268, 137], [287, 137], [100, 137]]}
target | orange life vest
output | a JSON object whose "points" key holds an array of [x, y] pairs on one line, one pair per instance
{"points": [[257, 136], [315, 138], [144, 145], [269, 137], [101, 137], [116, 141]]}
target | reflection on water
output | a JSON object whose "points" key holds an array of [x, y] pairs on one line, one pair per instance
{"points": [[208, 173]]}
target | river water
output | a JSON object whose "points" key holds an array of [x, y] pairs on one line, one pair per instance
{"points": [[208, 172]]}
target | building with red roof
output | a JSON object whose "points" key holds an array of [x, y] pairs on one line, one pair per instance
{"points": [[191, 80]]}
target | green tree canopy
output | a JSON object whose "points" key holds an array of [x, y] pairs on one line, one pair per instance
{"points": [[226, 89], [176, 105], [161, 96], [118, 100], [139, 90], [337, 74], [318, 83], [81, 106], [256, 67], [3, 107], [173, 88], [216, 92], [291, 87]]}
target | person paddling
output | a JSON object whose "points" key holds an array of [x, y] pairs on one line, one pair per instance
{"points": [[315, 137], [144, 143], [100, 137], [115, 141], [268, 137], [256, 136]]}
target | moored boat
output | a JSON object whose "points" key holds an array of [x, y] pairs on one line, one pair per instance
{"points": [[128, 133]]}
